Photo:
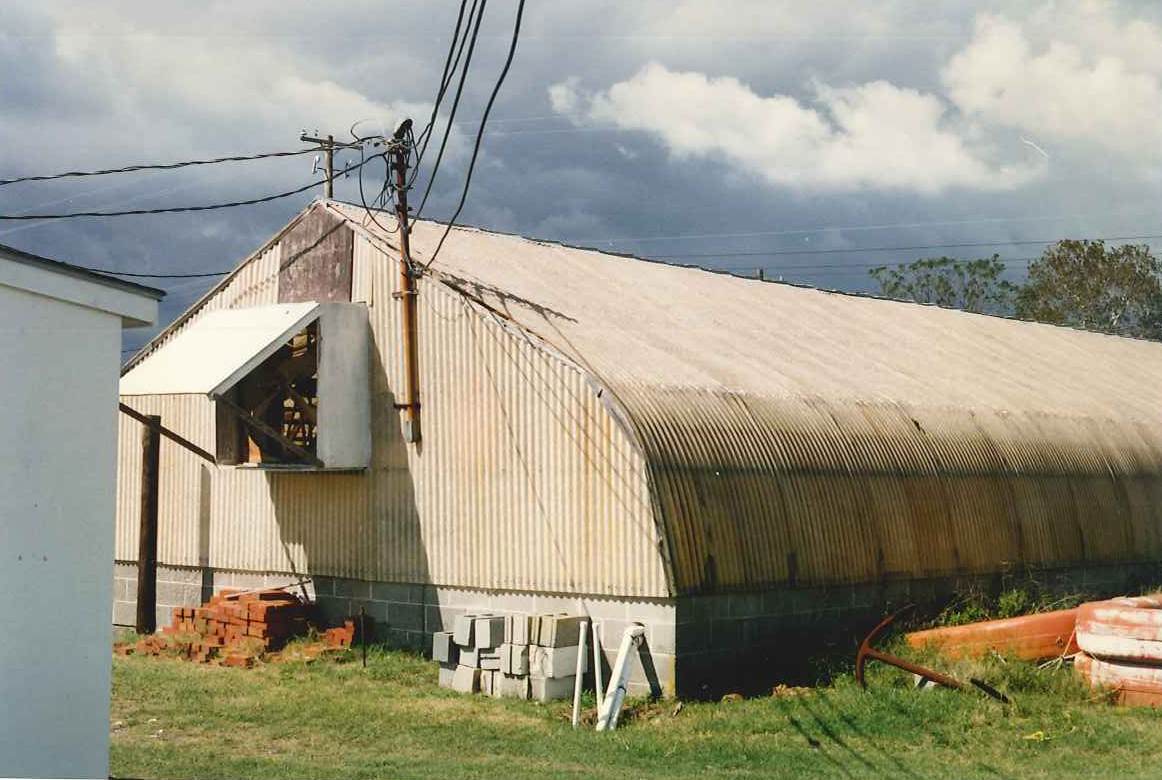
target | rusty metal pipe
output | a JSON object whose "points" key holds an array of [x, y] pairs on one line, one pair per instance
{"points": [[866, 651], [407, 291]]}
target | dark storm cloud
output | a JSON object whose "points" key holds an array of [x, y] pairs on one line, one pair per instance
{"points": [[127, 82]]}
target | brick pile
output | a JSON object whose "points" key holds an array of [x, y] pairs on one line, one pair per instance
{"points": [[235, 627], [523, 656]]}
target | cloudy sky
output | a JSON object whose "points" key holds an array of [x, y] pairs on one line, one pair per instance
{"points": [[731, 135]]}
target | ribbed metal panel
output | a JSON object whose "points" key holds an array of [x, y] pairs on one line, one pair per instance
{"points": [[184, 496], [758, 491], [523, 480], [761, 435]]}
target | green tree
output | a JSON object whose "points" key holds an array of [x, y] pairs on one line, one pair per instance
{"points": [[971, 285], [1089, 285]]}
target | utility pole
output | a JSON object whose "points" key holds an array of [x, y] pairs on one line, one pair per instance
{"points": [[147, 534], [328, 145], [407, 291]]}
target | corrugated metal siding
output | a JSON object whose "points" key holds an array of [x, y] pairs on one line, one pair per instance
{"points": [[184, 494], [522, 481], [762, 491], [839, 440]]}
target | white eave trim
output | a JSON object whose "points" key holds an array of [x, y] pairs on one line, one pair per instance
{"points": [[217, 350], [135, 308]]}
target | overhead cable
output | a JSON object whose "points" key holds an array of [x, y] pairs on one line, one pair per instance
{"points": [[445, 80], [153, 276], [480, 133], [177, 209], [851, 250], [455, 103], [159, 167]]}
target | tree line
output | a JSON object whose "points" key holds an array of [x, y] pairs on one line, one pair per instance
{"points": [[1082, 284]]}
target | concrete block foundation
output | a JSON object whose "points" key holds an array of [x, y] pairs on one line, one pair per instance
{"points": [[407, 615], [695, 646]]}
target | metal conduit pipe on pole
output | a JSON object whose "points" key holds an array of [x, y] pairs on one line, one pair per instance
{"points": [[407, 291], [611, 707]]}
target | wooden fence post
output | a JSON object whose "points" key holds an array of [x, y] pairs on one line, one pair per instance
{"points": [[147, 539]]}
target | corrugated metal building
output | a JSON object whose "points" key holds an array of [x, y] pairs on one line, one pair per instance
{"points": [[708, 454]]}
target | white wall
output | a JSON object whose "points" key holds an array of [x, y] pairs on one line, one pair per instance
{"points": [[58, 408], [344, 386]]}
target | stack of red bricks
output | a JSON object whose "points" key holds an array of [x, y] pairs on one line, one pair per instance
{"points": [[269, 617], [234, 626]]}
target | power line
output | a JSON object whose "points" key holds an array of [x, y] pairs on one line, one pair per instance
{"points": [[842, 266], [772, 253], [158, 167], [456, 100], [854, 228], [480, 133], [177, 209], [445, 80], [153, 276]]}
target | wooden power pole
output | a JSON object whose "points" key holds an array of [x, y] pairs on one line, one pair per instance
{"points": [[147, 538], [328, 145], [407, 290]]}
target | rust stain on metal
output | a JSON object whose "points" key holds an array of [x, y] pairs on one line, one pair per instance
{"points": [[317, 257]]}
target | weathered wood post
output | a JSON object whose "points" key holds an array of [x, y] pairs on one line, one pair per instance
{"points": [[147, 539]]}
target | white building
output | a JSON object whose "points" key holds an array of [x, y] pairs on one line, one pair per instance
{"points": [[60, 342]]}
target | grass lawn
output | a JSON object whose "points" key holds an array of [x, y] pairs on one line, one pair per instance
{"points": [[334, 719]]}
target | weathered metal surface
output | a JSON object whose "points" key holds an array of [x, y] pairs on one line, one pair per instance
{"points": [[748, 434], [316, 261], [799, 436], [527, 482]]}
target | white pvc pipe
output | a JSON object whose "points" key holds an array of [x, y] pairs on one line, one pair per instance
{"points": [[580, 676], [599, 686], [615, 695]]}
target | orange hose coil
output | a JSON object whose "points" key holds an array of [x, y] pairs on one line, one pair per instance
{"points": [[1127, 629], [1131, 683]]}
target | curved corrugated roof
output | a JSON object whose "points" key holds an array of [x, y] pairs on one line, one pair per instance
{"points": [[798, 435]]}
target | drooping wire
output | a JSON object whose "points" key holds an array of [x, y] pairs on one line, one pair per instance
{"points": [[380, 195], [152, 276], [455, 104], [480, 133], [159, 167], [450, 65], [177, 209]]}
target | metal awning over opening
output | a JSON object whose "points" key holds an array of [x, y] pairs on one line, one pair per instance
{"points": [[215, 352]]}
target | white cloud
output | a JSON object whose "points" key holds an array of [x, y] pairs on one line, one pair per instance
{"points": [[1092, 79], [874, 135]]}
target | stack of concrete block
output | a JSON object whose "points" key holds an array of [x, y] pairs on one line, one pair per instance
{"points": [[523, 656]]}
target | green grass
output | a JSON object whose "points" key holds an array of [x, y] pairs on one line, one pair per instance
{"points": [[336, 720]]}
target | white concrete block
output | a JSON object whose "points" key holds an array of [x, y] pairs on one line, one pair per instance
{"points": [[490, 660], [560, 630], [556, 661], [517, 629], [514, 659], [551, 688], [486, 683], [463, 634], [489, 632], [444, 649], [466, 679], [447, 673], [511, 685], [469, 656]]}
